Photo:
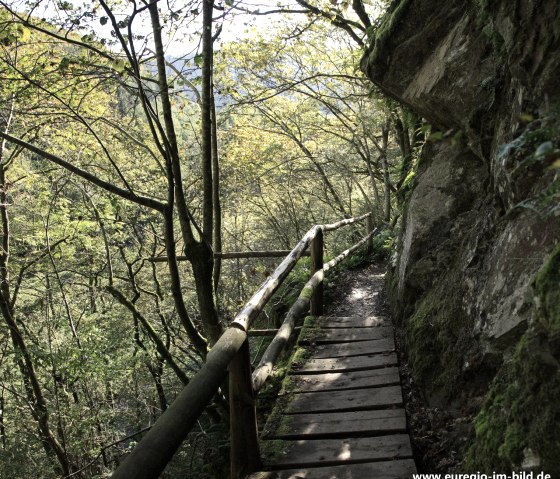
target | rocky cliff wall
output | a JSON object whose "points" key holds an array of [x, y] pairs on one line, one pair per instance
{"points": [[476, 279]]}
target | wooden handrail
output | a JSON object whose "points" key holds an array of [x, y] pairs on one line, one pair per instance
{"points": [[299, 308], [255, 305], [264, 332], [150, 457], [345, 222], [276, 253]]}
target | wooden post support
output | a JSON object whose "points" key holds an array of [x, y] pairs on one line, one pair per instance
{"points": [[316, 306], [245, 454], [369, 230]]}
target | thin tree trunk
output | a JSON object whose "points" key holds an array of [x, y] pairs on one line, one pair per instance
{"points": [[207, 120], [216, 196], [26, 366], [199, 253], [158, 343], [2, 427], [375, 189], [403, 139], [386, 177]]}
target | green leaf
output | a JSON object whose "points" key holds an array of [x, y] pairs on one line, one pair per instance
{"points": [[199, 59], [118, 65], [436, 136], [103, 20], [123, 23], [526, 118], [66, 6], [64, 63]]}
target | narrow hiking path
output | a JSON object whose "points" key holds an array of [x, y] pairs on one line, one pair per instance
{"points": [[340, 412], [438, 436], [357, 292]]}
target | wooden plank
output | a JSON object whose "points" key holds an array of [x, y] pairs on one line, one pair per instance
{"points": [[326, 336], [353, 322], [271, 354], [335, 365], [338, 424], [345, 350], [350, 400], [330, 452], [340, 381], [400, 469]]}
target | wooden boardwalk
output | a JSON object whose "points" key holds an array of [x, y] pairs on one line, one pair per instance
{"points": [[340, 412]]}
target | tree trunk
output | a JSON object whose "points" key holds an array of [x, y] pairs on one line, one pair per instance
{"points": [[26, 366], [207, 120], [216, 196], [386, 177], [199, 253], [403, 139]]}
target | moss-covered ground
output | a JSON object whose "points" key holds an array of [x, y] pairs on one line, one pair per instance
{"points": [[276, 422]]}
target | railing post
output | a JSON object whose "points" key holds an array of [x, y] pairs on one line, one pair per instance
{"points": [[316, 306], [369, 225], [244, 454]]}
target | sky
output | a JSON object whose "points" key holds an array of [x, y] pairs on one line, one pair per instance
{"points": [[183, 35]]}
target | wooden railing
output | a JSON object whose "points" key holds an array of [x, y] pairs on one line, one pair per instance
{"points": [[231, 353]]}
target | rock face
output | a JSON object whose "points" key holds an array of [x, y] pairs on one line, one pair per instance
{"points": [[477, 275]]}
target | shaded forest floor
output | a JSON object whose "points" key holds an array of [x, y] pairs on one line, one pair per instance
{"points": [[437, 436]]}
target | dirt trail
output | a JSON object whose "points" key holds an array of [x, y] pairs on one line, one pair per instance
{"points": [[357, 292]]}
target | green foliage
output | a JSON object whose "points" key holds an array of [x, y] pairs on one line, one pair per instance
{"points": [[290, 290], [98, 365], [547, 295], [534, 153]]}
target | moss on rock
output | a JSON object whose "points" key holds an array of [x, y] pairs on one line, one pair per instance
{"points": [[386, 26], [547, 295], [435, 340], [521, 414]]}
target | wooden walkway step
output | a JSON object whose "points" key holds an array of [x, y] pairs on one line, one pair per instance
{"points": [[340, 412], [402, 469]]}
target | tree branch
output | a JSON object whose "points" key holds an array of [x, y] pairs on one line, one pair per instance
{"points": [[111, 188], [337, 20]]}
